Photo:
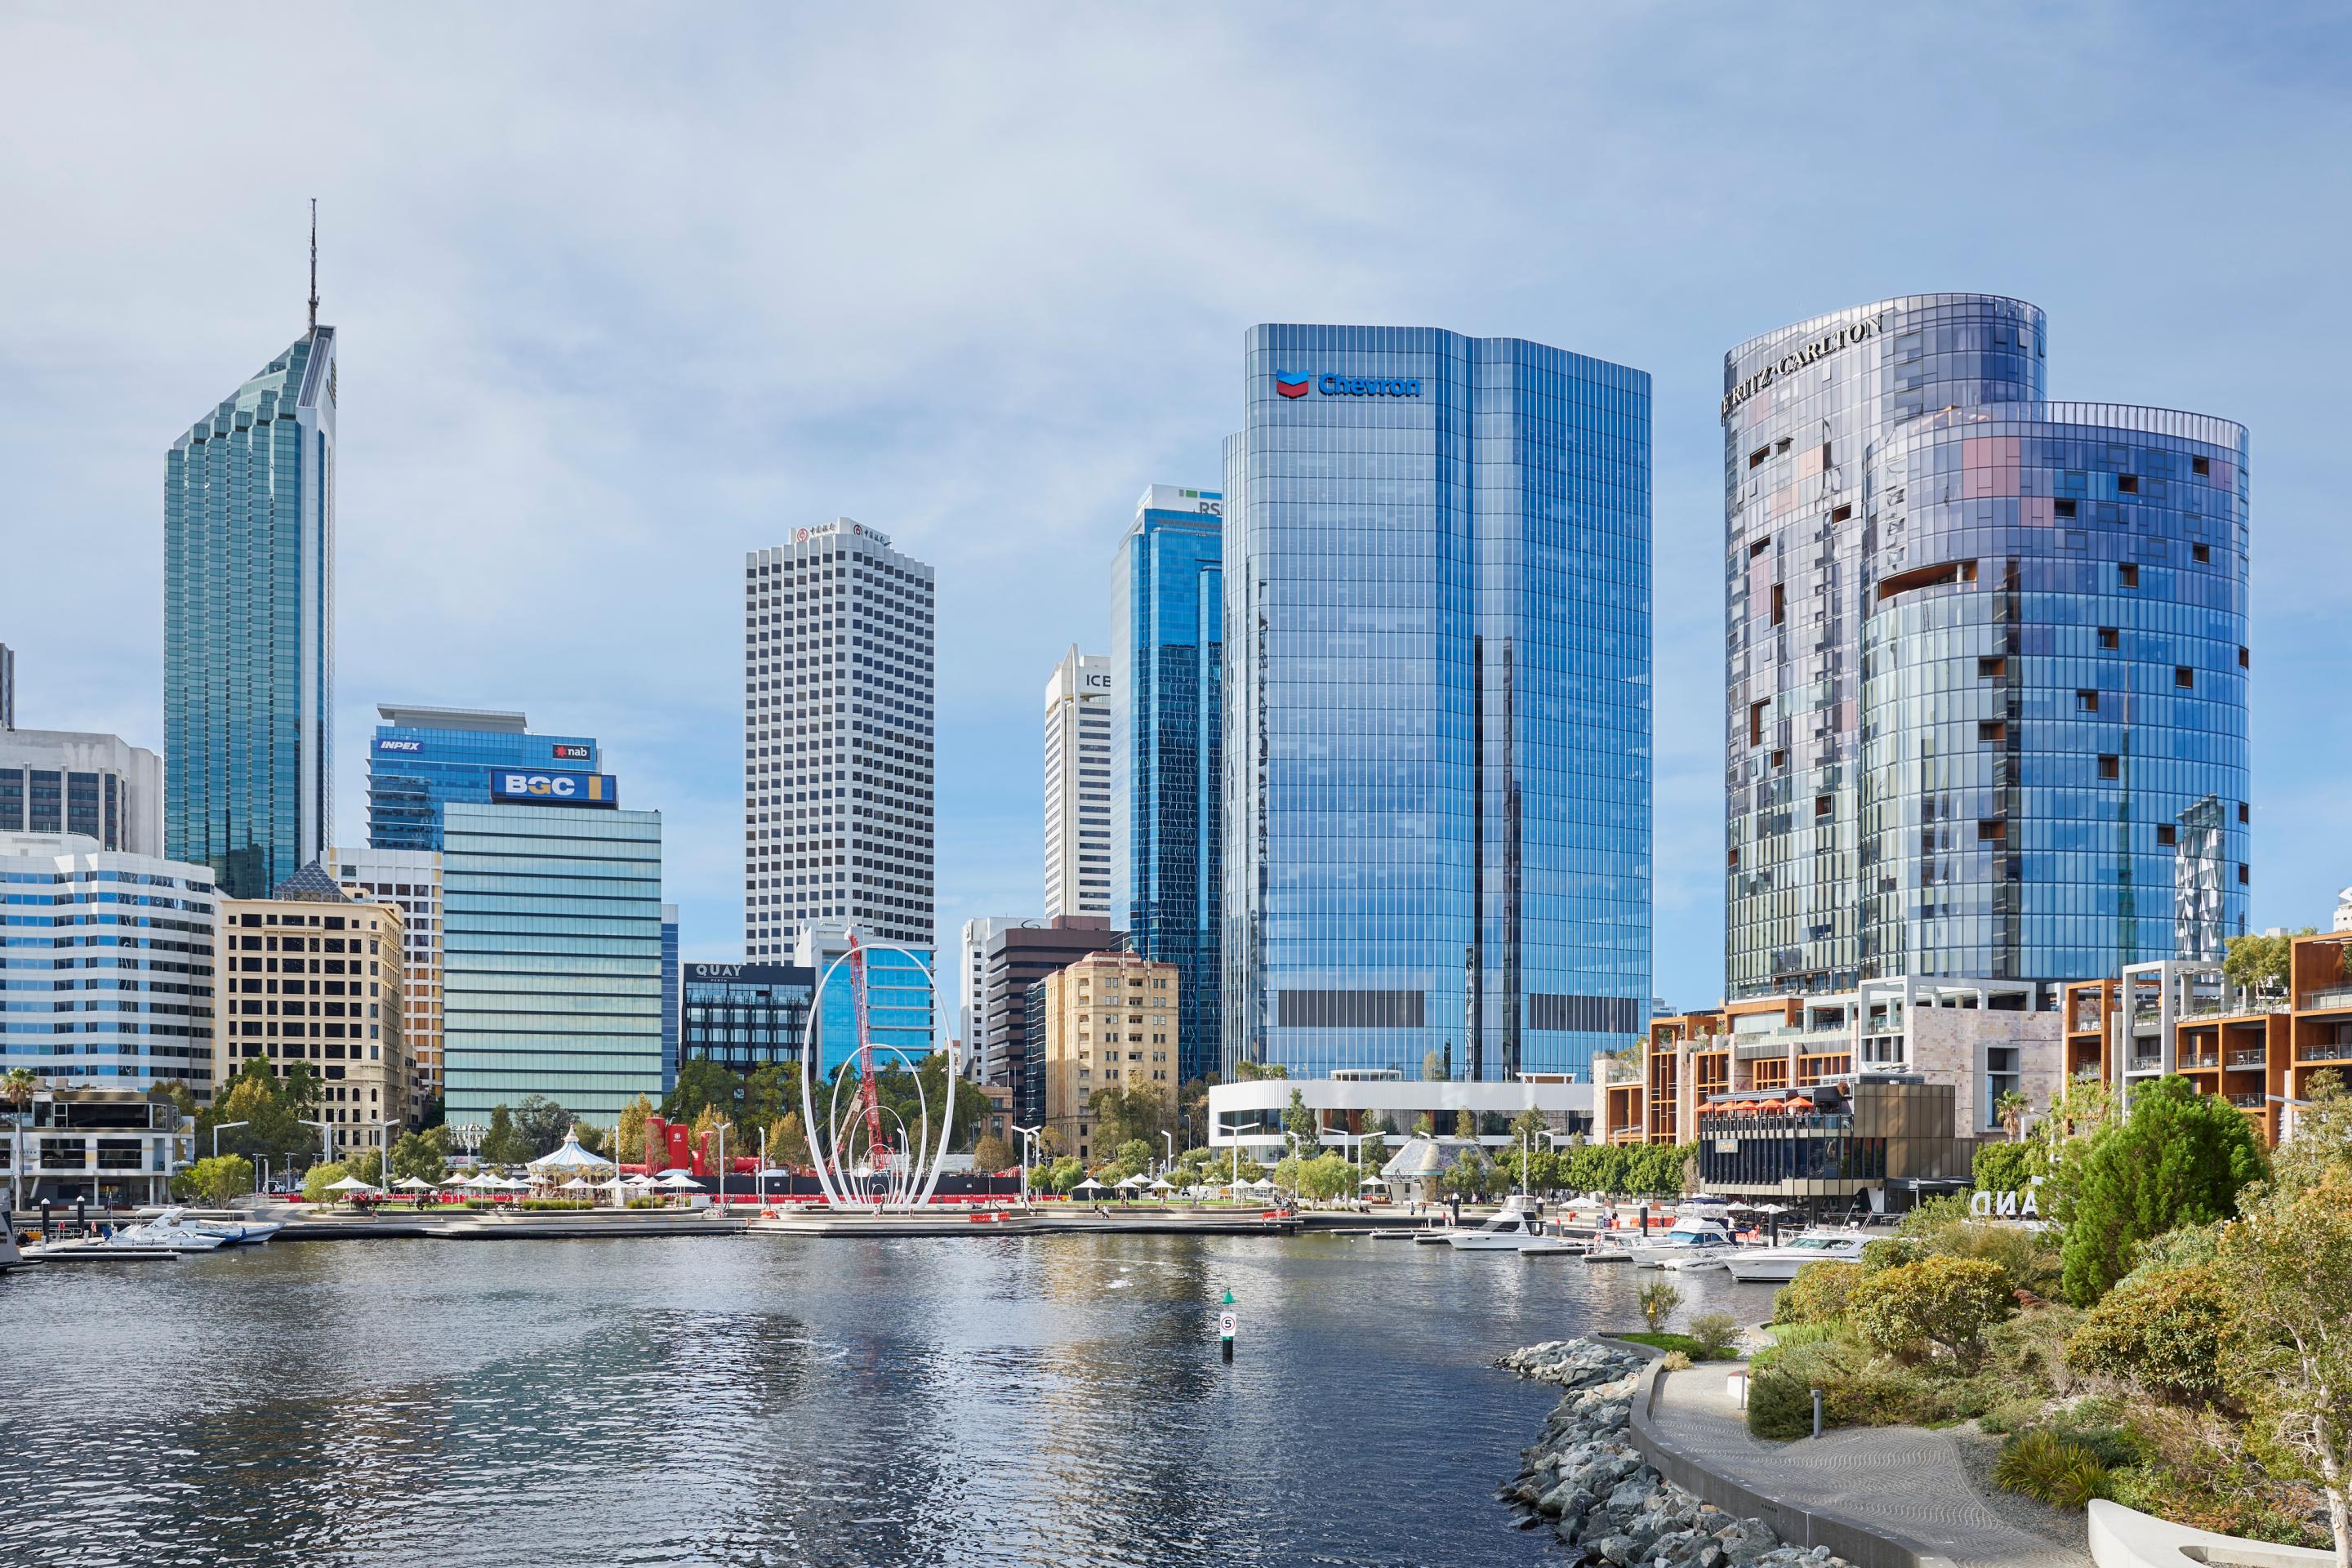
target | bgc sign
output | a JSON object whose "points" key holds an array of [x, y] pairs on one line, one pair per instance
{"points": [[1327, 385], [513, 787]]}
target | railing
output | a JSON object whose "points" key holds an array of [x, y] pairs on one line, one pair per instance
{"points": [[2230, 1007], [2247, 1101], [2148, 1063], [2190, 1064], [2341, 1051], [2253, 1059], [2332, 997]]}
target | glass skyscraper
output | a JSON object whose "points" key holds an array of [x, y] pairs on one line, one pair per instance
{"points": [[1438, 705], [1985, 680], [1168, 648], [249, 625], [552, 969], [424, 758]]}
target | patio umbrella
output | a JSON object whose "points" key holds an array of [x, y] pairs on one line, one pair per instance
{"points": [[1800, 1102], [1372, 1181], [1163, 1186], [1260, 1185], [577, 1184], [1088, 1185], [1135, 1180], [413, 1184], [679, 1180], [349, 1185]]}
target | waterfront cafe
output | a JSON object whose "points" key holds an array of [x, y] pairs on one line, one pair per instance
{"points": [[1874, 1140]]}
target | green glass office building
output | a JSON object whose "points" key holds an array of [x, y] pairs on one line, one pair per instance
{"points": [[553, 968], [249, 625]]}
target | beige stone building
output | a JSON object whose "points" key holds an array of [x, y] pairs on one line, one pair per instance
{"points": [[1110, 1022], [308, 975]]}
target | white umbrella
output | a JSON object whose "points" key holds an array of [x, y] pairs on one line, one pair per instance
{"points": [[1135, 1180], [576, 1184], [1260, 1185], [483, 1180], [1372, 1181], [349, 1185], [679, 1179], [1089, 1184], [642, 1180], [413, 1184], [1163, 1186]]}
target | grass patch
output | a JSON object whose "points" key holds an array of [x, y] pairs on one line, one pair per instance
{"points": [[2049, 1468], [1683, 1342]]}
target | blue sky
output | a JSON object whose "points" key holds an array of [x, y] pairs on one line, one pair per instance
{"points": [[626, 292]]}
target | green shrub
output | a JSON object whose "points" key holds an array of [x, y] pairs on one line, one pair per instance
{"points": [[1891, 1252], [2051, 1469], [1858, 1387], [2180, 1159], [1947, 1302], [2009, 1167], [1716, 1333], [1819, 1292], [1804, 1333], [2161, 1331], [1780, 1405], [1658, 1302], [1676, 1360]]}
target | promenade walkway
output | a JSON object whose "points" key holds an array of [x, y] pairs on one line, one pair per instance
{"points": [[1904, 1482]]}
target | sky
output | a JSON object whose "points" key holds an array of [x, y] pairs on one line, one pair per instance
{"points": [[626, 290]]}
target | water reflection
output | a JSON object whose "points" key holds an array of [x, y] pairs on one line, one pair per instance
{"points": [[991, 1400]]}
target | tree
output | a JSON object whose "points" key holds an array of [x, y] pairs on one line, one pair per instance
{"points": [[2180, 1158], [630, 1135], [989, 1153], [1051, 1144], [705, 1133], [1466, 1125], [1247, 1071], [1434, 1069], [541, 1123], [422, 1156], [2009, 1167], [1372, 1153], [2287, 1269], [701, 1083], [2011, 1109], [217, 1181], [1425, 1126], [1298, 1129], [595, 1140], [1192, 1111], [2322, 1144], [320, 1177], [1658, 1302], [368, 1166], [2260, 963], [1944, 1301], [502, 1145], [271, 1108], [1528, 1127], [788, 1144]]}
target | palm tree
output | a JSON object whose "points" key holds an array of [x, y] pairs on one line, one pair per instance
{"points": [[2011, 1109], [16, 1086]]}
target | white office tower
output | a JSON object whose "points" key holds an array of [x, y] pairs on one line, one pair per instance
{"points": [[98, 786], [838, 731], [1078, 786], [971, 986]]}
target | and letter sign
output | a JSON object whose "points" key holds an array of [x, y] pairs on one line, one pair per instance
{"points": [[2004, 1206]]}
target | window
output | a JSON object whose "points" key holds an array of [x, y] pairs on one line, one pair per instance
{"points": [[2086, 702], [1755, 723], [1760, 547], [2127, 576], [1991, 668], [2110, 636], [2244, 816], [1732, 860], [2127, 484], [2244, 658], [2243, 878], [1842, 514], [1781, 759], [1822, 805], [2111, 766], [1756, 458], [2062, 507], [2183, 675], [2166, 833], [1991, 730], [2200, 553], [1780, 602], [1992, 830]]}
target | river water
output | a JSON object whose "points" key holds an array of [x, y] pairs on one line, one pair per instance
{"points": [[773, 1400]]}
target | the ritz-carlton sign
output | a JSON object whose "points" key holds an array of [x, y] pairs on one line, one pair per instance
{"points": [[1796, 359]]}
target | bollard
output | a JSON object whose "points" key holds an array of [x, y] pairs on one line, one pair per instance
{"points": [[1227, 1321], [1816, 1413]]}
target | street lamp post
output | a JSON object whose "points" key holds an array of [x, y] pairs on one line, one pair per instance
{"points": [[217, 1128], [1028, 1148], [383, 1161], [1170, 1139], [326, 1140]]}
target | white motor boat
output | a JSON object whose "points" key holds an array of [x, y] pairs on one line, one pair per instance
{"points": [[168, 1235], [1778, 1264], [239, 1232], [1509, 1231], [1692, 1238]]}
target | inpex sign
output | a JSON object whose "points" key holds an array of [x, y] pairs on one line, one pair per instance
{"points": [[553, 789], [389, 745]]}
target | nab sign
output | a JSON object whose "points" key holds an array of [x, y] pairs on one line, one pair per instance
{"points": [[515, 787]]}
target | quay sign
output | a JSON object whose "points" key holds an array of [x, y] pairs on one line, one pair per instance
{"points": [[2004, 1206], [1346, 386], [554, 789], [1798, 358]]}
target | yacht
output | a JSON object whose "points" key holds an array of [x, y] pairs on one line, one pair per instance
{"points": [[1693, 1238], [239, 1232], [168, 1235], [1509, 1231], [1778, 1264]]}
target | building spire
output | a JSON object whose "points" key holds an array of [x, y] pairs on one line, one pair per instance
{"points": [[314, 264]]}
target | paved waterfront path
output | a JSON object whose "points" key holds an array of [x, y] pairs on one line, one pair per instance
{"points": [[1902, 1481]]}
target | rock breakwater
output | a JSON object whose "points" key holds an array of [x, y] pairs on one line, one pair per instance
{"points": [[1585, 1479]]}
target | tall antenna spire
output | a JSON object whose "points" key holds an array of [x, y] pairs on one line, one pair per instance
{"points": [[314, 264]]}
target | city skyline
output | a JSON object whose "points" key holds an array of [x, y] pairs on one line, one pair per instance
{"points": [[510, 562]]}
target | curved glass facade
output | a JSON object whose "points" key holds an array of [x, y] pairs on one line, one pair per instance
{"points": [[1437, 680], [2054, 691], [1801, 406]]}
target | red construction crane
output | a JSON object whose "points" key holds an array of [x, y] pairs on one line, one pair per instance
{"points": [[878, 1152]]}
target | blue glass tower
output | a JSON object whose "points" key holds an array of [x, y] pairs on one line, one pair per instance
{"points": [[1438, 705], [249, 625], [425, 758], [669, 997], [1168, 648]]}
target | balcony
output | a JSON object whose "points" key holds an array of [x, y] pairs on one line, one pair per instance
{"points": [[2341, 1051], [2247, 1101], [2333, 999], [2253, 1059], [2147, 1061], [2190, 1064]]}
